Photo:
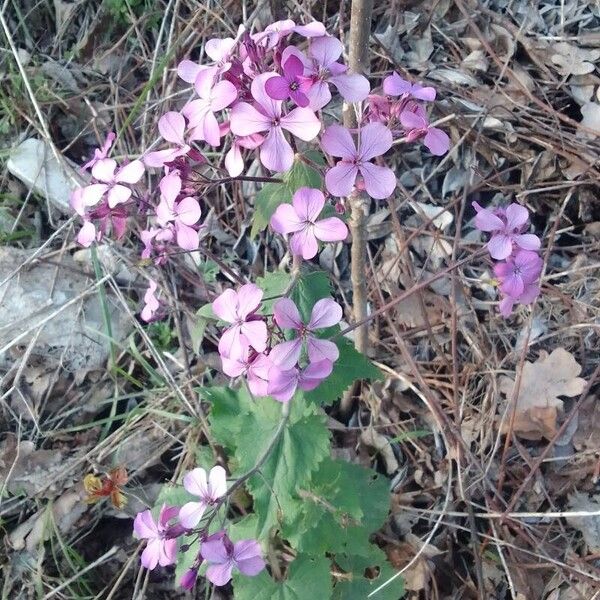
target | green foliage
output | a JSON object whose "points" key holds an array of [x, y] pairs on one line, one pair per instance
{"points": [[273, 285], [308, 577], [271, 195], [310, 288], [350, 367]]}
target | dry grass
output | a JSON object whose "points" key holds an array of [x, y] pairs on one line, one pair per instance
{"points": [[475, 514]]}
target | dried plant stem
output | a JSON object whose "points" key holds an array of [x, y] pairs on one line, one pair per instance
{"points": [[358, 62]]}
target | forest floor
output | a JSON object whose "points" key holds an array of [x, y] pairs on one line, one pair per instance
{"points": [[495, 493]]}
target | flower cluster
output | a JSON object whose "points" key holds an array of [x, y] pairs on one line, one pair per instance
{"points": [[221, 555], [279, 357], [259, 94], [519, 267]]}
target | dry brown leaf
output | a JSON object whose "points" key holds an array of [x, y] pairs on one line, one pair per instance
{"points": [[589, 526], [587, 435], [542, 382]]}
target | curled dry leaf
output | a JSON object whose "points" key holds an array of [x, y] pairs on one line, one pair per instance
{"points": [[537, 402]]}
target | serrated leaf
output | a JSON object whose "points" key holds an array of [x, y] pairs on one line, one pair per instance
{"points": [[338, 510], [271, 195], [310, 288], [350, 367], [308, 577], [296, 454]]}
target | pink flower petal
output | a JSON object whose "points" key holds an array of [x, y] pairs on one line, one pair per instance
{"points": [[225, 306], [87, 234], [332, 229], [104, 170], [187, 237], [276, 153], [217, 49], [144, 526], [172, 127], [151, 554], [319, 95], [325, 313], [196, 482], [130, 173], [437, 141], [411, 120], [375, 140], [326, 50], [394, 85], [217, 482], [256, 334], [118, 194], [286, 355], [380, 182], [528, 241], [282, 384], [302, 123], [188, 211], [486, 220], [341, 179], [500, 246], [246, 120], [337, 141], [168, 553], [222, 95], [188, 70], [210, 130], [191, 514], [285, 220], [234, 163], [249, 297], [516, 216], [278, 88], [352, 87], [286, 314], [271, 107], [308, 203], [214, 550], [319, 350], [314, 374], [219, 574], [304, 244]]}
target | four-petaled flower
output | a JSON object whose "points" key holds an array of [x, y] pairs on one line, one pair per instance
{"points": [[253, 365], [322, 68], [182, 213], [161, 549], [223, 556], [201, 112], [374, 140], [275, 152], [284, 382], [518, 272], [506, 226], [248, 329], [300, 218], [325, 313], [414, 120], [291, 84], [208, 490]]}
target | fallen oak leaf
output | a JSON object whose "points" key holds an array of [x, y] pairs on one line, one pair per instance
{"points": [[541, 384]]}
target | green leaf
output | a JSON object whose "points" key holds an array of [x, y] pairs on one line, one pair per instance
{"points": [[207, 312], [308, 577], [298, 451], [338, 510], [350, 367], [273, 284], [358, 586], [271, 195], [310, 288]]}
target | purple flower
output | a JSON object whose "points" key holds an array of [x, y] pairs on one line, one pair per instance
{"points": [[322, 68], [275, 152], [325, 313], [394, 85], [161, 549], [300, 219], [217, 49], [506, 226], [234, 162], [254, 366], [208, 490], [171, 127], [201, 112], [100, 153], [517, 272], [183, 213], [223, 556], [279, 30], [374, 140], [530, 293], [284, 382], [248, 329], [291, 84], [414, 120], [188, 579]]}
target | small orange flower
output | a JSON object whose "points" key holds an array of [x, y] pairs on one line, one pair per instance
{"points": [[107, 486]]}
